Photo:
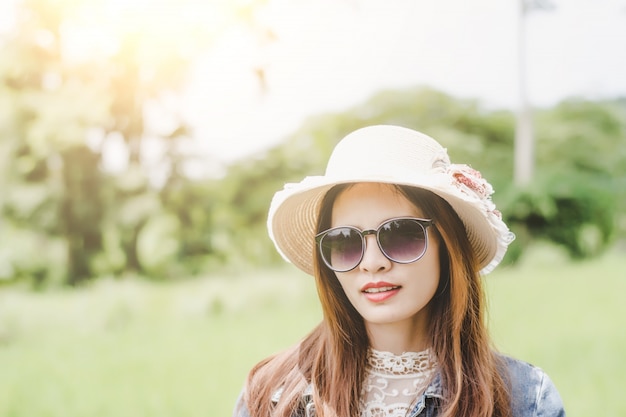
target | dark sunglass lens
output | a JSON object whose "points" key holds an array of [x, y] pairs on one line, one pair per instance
{"points": [[342, 248], [403, 240]]}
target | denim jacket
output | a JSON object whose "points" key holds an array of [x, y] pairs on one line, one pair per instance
{"points": [[532, 395]]}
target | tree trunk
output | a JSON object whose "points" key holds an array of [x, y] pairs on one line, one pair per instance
{"points": [[81, 212], [524, 147]]}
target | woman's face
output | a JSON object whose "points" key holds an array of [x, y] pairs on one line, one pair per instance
{"points": [[386, 293]]}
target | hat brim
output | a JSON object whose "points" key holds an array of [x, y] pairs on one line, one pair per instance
{"points": [[294, 212]]}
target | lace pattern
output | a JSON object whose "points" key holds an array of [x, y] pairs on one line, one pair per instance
{"points": [[393, 382]]}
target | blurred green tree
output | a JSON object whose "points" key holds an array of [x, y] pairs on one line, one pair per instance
{"points": [[78, 80], [578, 198]]}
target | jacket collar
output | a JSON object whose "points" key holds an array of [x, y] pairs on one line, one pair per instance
{"points": [[307, 394], [434, 390]]}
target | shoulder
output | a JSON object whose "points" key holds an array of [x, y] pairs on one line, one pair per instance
{"points": [[241, 409], [532, 391]]}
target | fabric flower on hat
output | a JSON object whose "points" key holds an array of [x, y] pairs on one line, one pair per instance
{"points": [[472, 183], [469, 179]]}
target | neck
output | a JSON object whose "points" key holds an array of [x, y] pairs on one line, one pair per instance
{"points": [[397, 338]]}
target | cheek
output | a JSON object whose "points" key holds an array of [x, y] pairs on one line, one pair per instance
{"points": [[434, 268], [343, 282], [348, 285], [432, 252], [431, 265]]}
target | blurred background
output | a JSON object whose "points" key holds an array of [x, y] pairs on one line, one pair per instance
{"points": [[141, 143]]}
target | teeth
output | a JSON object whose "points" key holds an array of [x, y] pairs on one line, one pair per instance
{"points": [[380, 289]]}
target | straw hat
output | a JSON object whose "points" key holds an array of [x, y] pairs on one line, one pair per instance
{"points": [[393, 155]]}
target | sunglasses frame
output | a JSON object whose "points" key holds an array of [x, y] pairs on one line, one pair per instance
{"points": [[424, 223]]}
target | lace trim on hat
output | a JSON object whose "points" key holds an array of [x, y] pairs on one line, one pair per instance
{"points": [[471, 184], [394, 382]]}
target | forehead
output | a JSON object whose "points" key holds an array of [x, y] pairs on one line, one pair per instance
{"points": [[367, 205]]}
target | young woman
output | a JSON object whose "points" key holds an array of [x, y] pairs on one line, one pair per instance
{"points": [[397, 238]]}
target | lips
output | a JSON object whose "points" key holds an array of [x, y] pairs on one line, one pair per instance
{"points": [[374, 290], [379, 291], [380, 286]]}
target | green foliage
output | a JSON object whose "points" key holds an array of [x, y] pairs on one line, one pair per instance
{"points": [[31, 256], [59, 114], [578, 196], [576, 211]]}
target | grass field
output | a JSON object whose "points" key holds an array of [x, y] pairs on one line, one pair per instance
{"points": [[131, 348]]}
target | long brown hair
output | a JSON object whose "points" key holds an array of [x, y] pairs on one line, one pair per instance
{"points": [[333, 356]]}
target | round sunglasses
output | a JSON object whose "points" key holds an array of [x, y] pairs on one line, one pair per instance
{"points": [[402, 240]]}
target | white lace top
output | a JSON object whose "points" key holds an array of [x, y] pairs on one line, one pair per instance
{"points": [[393, 382]]}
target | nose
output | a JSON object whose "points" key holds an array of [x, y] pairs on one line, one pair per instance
{"points": [[373, 258]]}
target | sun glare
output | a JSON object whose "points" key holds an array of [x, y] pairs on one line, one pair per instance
{"points": [[159, 41], [147, 29]]}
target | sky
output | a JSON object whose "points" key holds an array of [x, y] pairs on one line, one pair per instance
{"points": [[329, 55]]}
